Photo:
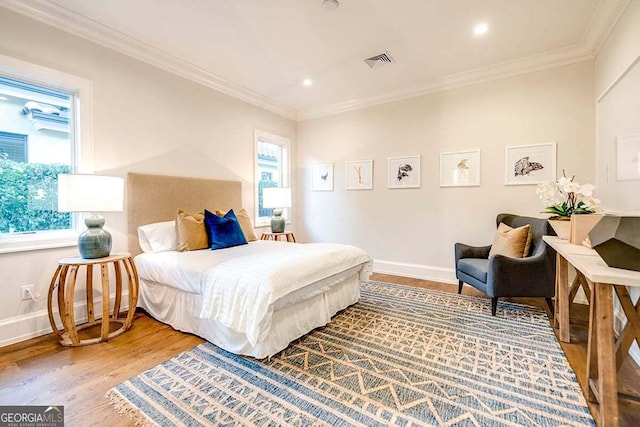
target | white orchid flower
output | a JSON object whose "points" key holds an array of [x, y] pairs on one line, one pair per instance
{"points": [[564, 184], [565, 195], [586, 190], [592, 203]]}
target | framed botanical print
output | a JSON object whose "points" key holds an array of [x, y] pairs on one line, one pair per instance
{"points": [[460, 168], [404, 172], [530, 164], [322, 177], [359, 175]]}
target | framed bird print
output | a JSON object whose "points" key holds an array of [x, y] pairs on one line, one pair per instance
{"points": [[404, 172], [530, 164], [460, 168], [359, 175], [322, 177]]}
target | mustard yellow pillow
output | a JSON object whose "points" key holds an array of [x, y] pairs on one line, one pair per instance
{"points": [[511, 242], [245, 223], [191, 232]]}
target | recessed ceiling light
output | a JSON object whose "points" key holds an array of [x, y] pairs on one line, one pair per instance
{"points": [[307, 82], [480, 29], [330, 4]]}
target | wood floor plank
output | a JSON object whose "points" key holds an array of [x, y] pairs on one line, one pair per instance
{"points": [[40, 371]]}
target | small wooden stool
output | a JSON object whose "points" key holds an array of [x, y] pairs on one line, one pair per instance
{"points": [[64, 279]]}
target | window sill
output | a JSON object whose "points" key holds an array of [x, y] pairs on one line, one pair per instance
{"points": [[36, 242]]}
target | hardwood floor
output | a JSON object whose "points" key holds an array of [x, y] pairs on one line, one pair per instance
{"points": [[41, 372]]}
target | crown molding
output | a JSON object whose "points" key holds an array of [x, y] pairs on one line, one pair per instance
{"points": [[531, 64], [71, 22], [604, 20], [602, 23]]}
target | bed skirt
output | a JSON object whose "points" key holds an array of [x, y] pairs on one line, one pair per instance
{"points": [[176, 308]]}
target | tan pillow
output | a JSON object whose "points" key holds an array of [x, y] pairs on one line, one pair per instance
{"points": [[191, 232], [245, 223], [511, 242]]}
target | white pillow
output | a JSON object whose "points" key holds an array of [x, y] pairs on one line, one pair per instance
{"points": [[158, 237]]}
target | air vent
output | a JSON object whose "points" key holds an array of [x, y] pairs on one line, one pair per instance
{"points": [[379, 60]]}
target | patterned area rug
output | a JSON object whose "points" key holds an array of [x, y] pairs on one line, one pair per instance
{"points": [[401, 356]]}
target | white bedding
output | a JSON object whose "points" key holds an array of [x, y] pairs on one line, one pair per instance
{"points": [[242, 285]]}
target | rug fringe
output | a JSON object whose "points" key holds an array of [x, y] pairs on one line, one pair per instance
{"points": [[124, 407]]}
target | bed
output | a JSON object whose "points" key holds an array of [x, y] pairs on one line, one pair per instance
{"points": [[252, 299]]}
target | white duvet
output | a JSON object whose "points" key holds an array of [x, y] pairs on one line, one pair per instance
{"points": [[241, 284]]}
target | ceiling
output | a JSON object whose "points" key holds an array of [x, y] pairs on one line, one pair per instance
{"points": [[261, 51]]}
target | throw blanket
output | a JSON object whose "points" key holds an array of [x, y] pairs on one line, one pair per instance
{"points": [[240, 293]]}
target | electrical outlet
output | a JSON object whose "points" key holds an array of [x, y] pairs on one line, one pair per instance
{"points": [[26, 291]]}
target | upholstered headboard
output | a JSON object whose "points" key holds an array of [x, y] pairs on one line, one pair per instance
{"points": [[155, 198]]}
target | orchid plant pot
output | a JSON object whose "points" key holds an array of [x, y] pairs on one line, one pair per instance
{"points": [[575, 228], [562, 226], [573, 207]]}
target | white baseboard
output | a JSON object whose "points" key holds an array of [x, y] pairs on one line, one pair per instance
{"points": [[416, 271], [35, 324]]}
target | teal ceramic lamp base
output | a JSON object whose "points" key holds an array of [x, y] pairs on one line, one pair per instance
{"points": [[94, 242], [277, 221]]}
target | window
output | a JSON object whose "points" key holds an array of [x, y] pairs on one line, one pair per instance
{"points": [[13, 146], [28, 179], [40, 113], [272, 169]]}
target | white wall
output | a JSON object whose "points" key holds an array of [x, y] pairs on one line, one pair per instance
{"points": [[618, 113], [620, 50], [145, 120], [618, 90], [417, 228]]}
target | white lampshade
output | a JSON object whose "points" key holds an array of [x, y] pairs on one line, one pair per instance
{"points": [[276, 197], [90, 193]]}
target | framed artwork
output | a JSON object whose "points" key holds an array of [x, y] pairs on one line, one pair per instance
{"points": [[460, 168], [322, 177], [404, 172], [628, 157], [530, 164], [359, 175]]}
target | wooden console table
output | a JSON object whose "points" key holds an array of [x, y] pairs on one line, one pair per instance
{"points": [[605, 354], [565, 294], [64, 279]]}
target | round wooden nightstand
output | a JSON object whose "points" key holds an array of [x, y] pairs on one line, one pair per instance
{"points": [[64, 279], [288, 236]]}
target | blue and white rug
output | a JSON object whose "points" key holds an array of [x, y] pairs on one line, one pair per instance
{"points": [[401, 356]]}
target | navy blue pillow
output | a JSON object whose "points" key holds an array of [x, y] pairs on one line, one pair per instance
{"points": [[223, 231]]}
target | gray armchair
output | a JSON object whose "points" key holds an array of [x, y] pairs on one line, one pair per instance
{"points": [[501, 276]]}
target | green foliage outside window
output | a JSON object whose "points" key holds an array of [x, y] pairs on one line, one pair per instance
{"points": [[29, 197]]}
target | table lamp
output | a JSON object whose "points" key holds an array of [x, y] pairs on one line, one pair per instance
{"points": [[277, 198], [92, 194]]}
